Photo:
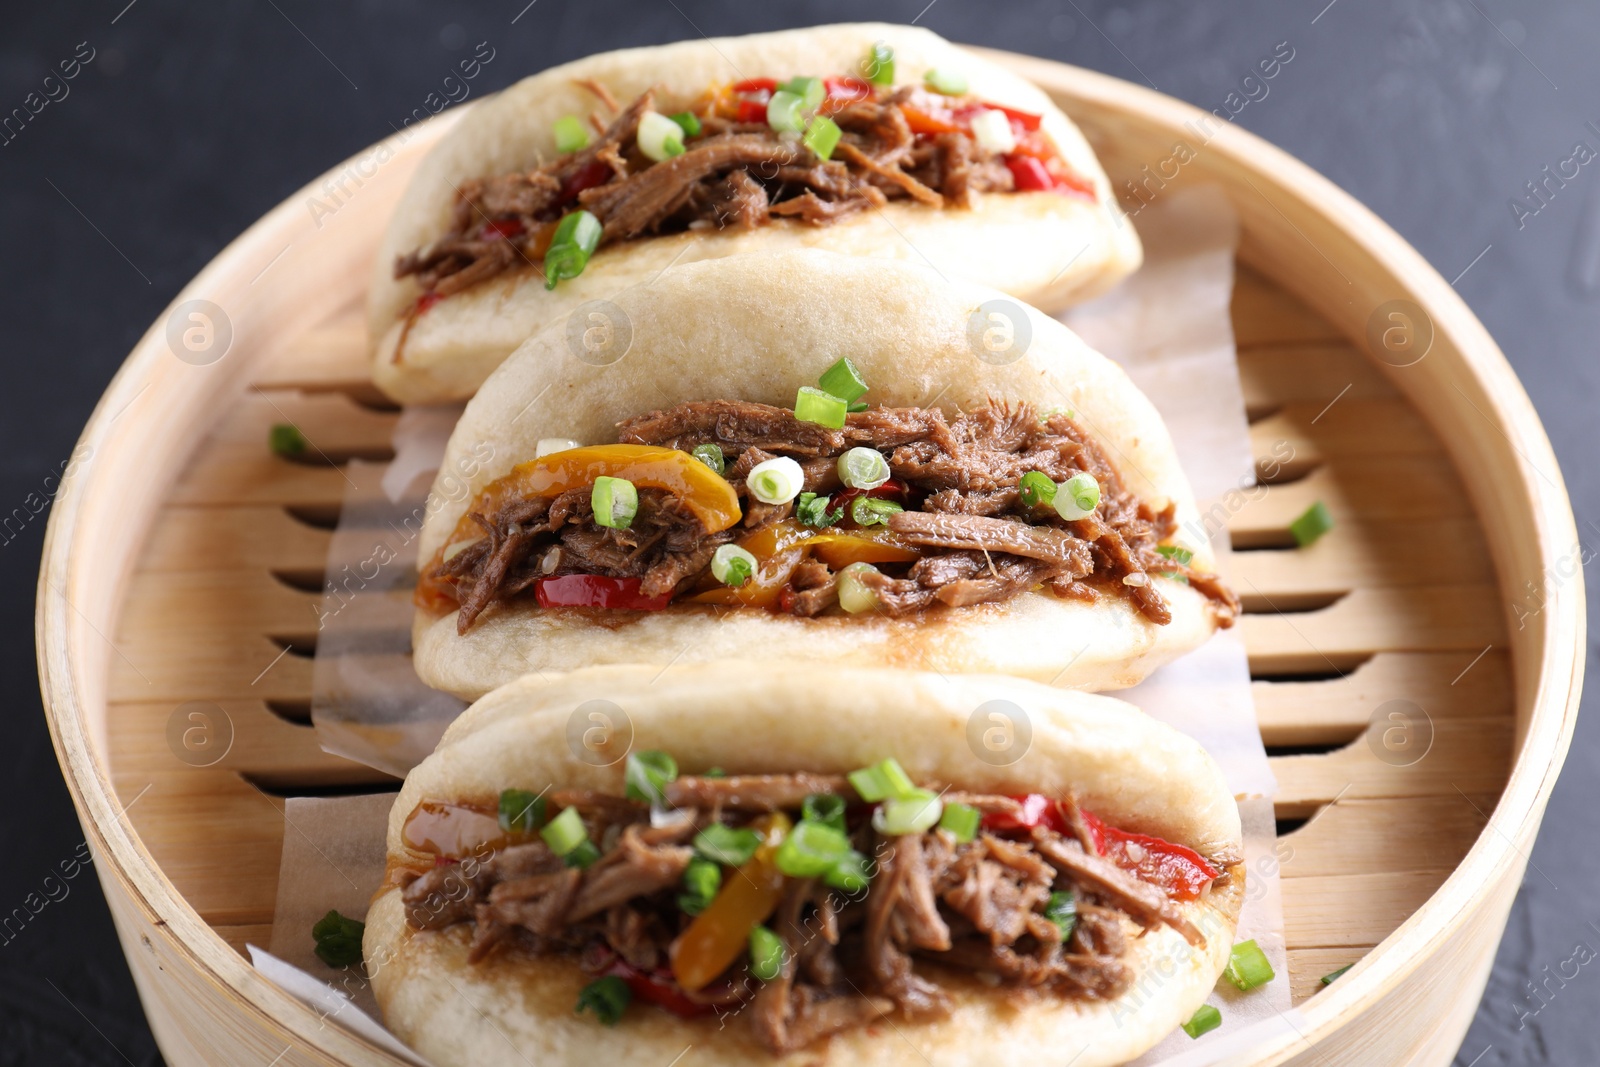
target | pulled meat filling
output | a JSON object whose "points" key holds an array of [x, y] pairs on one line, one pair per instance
{"points": [[934, 906], [738, 172], [965, 535]]}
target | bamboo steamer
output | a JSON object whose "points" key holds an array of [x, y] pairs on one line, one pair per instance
{"points": [[182, 562]]}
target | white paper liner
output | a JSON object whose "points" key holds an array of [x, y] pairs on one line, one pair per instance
{"points": [[1169, 326]]}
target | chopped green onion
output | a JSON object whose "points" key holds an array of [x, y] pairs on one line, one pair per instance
{"points": [[582, 856], [1062, 909], [688, 121], [715, 772], [1176, 552], [549, 445], [824, 808], [338, 939], [766, 953], [811, 850], [565, 832], [991, 129], [855, 595], [701, 880], [725, 845], [823, 408], [786, 112], [871, 511], [615, 502], [571, 134], [908, 815], [1077, 496], [732, 565], [858, 405], [851, 874], [883, 781], [521, 811], [946, 82], [577, 236], [285, 439], [647, 774], [711, 456], [822, 136], [961, 820], [1248, 966], [1316, 521], [863, 468], [843, 380], [1035, 488], [1205, 1020], [812, 510], [607, 997], [776, 481], [659, 137], [879, 64], [1331, 976], [811, 92]]}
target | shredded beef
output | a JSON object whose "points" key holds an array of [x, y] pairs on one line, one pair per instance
{"points": [[956, 479], [730, 174]]}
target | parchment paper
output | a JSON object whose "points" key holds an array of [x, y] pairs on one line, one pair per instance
{"points": [[1169, 326]]}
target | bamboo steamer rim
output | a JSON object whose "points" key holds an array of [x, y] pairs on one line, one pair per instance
{"points": [[1547, 686]]}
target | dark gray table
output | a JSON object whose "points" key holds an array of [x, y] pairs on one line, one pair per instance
{"points": [[190, 121]]}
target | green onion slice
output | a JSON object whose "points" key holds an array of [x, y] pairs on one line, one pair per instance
{"points": [[701, 880], [822, 136], [521, 811], [1077, 496], [883, 781], [607, 997], [727, 846], [961, 820], [582, 856], [571, 134], [285, 439], [851, 874], [1062, 909], [1316, 521], [615, 502], [1203, 1021], [823, 408], [1332, 976], [858, 405], [775, 481], [812, 510], [908, 814], [871, 511], [811, 850], [1176, 552], [855, 595], [786, 112], [565, 832], [879, 65], [732, 565], [711, 455], [824, 808], [766, 953], [843, 380], [338, 939], [1248, 966], [659, 137], [647, 774], [577, 236], [1036, 487], [863, 468], [945, 82], [688, 121]]}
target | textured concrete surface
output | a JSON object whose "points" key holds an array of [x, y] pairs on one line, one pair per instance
{"points": [[190, 121]]}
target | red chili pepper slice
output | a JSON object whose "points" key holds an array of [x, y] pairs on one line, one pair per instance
{"points": [[588, 176], [845, 89], [1180, 871], [756, 85], [595, 591], [1037, 810], [658, 989], [503, 228], [1029, 174], [891, 489]]}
